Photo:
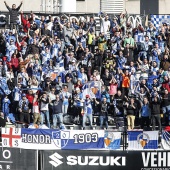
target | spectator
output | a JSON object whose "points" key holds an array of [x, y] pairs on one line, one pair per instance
{"points": [[166, 106], [13, 12], [36, 110], [145, 113], [155, 112], [129, 40], [2, 120], [118, 104], [131, 113], [87, 112], [44, 102], [60, 56], [66, 97], [104, 107], [57, 112], [105, 24], [26, 21], [24, 111], [5, 106]]}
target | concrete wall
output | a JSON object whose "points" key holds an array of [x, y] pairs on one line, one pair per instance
{"points": [[28, 5], [88, 6], [92, 6], [132, 6], [164, 6]]}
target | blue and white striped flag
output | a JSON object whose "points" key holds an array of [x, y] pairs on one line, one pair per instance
{"points": [[142, 140]]}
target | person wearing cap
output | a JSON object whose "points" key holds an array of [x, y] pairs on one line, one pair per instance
{"points": [[24, 110], [87, 111]]}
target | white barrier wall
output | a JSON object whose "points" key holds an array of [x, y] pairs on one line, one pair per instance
{"points": [[68, 6]]}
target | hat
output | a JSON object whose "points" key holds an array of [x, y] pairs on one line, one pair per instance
{"points": [[87, 96], [23, 95]]}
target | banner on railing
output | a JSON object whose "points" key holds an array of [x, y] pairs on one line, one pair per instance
{"points": [[142, 140], [48, 139]]}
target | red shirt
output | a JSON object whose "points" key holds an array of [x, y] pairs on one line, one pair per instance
{"points": [[166, 86], [30, 98], [14, 62]]}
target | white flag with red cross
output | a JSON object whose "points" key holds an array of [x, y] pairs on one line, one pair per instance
{"points": [[11, 137]]}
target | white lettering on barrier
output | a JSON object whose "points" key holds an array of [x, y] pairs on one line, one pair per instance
{"points": [[6, 154], [96, 160], [40, 139], [156, 159]]}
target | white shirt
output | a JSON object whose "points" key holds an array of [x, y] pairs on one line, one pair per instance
{"points": [[105, 26]]}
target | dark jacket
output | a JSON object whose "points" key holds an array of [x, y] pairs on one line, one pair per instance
{"points": [[104, 108], [165, 100], [13, 13], [106, 79], [128, 57], [2, 122], [33, 49], [130, 110], [57, 107], [155, 107]]}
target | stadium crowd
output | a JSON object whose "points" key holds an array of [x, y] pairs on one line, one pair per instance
{"points": [[47, 65]]}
